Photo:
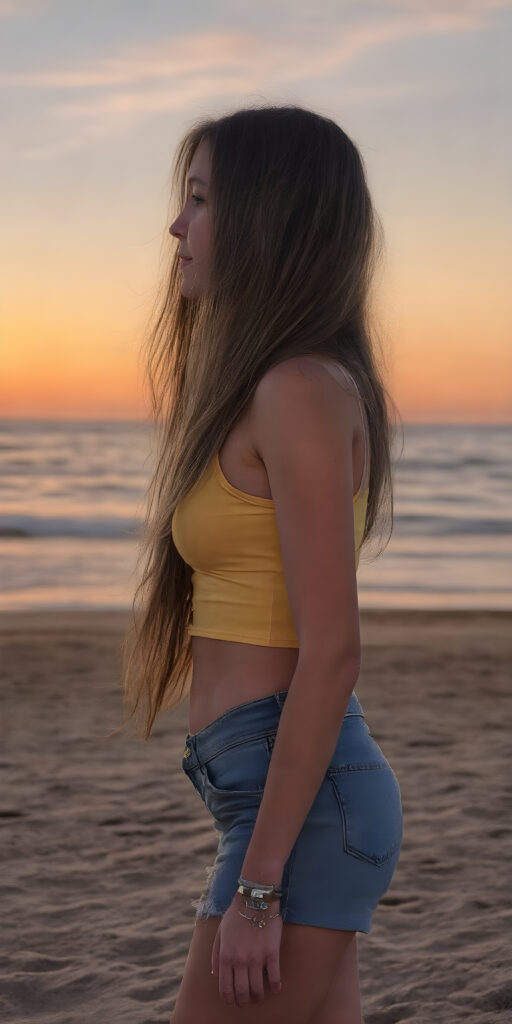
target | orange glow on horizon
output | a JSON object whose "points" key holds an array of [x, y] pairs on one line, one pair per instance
{"points": [[448, 359]]}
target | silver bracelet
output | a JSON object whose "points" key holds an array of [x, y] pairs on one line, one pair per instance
{"points": [[257, 922], [255, 890]]}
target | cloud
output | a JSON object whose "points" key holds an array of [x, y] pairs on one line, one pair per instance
{"points": [[451, 6], [109, 94], [20, 8], [179, 58]]}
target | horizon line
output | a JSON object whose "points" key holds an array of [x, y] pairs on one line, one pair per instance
{"points": [[151, 423]]}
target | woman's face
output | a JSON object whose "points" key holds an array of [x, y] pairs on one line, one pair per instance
{"points": [[192, 227]]}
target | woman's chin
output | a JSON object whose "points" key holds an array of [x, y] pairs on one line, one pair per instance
{"points": [[190, 289]]}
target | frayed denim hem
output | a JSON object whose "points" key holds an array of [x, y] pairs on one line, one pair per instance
{"points": [[208, 909], [205, 905]]}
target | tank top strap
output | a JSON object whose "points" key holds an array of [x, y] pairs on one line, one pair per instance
{"points": [[330, 369]]}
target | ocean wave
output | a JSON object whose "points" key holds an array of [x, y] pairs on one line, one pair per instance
{"points": [[67, 526]]}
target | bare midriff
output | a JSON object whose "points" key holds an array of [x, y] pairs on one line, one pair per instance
{"points": [[226, 673]]}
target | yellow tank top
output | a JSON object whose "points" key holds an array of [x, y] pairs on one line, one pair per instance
{"points": [[231, 541]]}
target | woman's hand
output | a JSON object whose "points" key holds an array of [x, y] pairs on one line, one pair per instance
{"points": [[242, 951]]}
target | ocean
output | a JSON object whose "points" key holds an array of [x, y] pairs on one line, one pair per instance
{"points": [[72, 498]]}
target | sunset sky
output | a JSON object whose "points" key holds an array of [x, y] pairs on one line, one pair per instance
{"points": [[97, 95]]}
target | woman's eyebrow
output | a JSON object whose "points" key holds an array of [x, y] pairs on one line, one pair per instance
{"points": [[194, 178]]}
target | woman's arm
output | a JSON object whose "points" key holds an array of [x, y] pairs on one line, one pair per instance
{"points": [[308, 729], [303, 426]]}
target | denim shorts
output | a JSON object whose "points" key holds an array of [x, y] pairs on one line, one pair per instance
{"points": [[345, 854]]}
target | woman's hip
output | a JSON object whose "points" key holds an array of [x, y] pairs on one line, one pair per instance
{"points": [[228, 760]]}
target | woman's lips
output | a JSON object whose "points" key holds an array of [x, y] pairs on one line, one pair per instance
{"points": [[184, 261]]}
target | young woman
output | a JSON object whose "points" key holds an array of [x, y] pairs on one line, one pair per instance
{"points": [[274, 464]]}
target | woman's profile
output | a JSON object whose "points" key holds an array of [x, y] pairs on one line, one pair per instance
{"points": [[273, 470]]}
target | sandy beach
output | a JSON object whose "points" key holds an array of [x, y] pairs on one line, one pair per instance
{"points": [[105, 842]]}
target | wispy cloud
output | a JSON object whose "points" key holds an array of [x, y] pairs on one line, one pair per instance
{"points": [[453, 6], [20, 8], [198, 68], [220, 52]]}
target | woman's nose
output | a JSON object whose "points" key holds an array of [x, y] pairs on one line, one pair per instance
{"points": [[177, 228]]}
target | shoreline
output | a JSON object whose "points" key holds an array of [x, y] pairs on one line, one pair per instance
{"points": [[86, 618]]}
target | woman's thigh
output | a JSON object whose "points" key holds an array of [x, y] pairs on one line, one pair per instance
{"points": [[342, 1004], [310, 960]]}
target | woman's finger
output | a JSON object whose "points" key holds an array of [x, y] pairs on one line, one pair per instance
{"points": [[226, 990], [242, 992], [215, 952], [256, 981], [274, 972]]}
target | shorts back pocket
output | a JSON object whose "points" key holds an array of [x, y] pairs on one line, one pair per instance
{"points": [[370, 806]]}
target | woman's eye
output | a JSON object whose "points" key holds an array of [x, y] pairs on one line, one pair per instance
{"points": [[197, 198]]}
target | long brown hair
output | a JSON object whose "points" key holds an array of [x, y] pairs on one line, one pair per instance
{"points": [[295, 241]]}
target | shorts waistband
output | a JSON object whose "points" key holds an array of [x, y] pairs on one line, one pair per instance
{"points": [[248, 720]]}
